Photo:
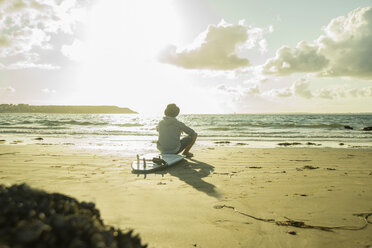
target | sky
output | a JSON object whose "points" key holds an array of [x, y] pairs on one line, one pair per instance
{"points": [[207, 56]]}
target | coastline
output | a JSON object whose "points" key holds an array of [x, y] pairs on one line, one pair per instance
{"points": [[136, 133], [179, 207]]}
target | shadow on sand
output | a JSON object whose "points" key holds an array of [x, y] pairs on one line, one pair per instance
{"points": [[192, 172]]}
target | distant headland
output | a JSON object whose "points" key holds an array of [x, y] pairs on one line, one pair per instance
{"points": [[60, 109]]}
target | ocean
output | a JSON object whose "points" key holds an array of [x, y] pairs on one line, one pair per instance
{"points": [[135, 132]]}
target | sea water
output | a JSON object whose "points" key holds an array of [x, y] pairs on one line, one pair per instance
{"points": [[136, 132]]}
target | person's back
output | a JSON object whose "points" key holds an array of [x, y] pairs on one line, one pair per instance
{"points": [[170, 130]]}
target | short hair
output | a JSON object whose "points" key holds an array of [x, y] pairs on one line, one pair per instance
{"points": [[172, 110]]}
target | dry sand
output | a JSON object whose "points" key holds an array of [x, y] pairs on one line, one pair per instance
{"points": [[181, 207]]}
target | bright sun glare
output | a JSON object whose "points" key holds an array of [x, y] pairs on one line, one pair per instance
{"points": [[123, 40]]}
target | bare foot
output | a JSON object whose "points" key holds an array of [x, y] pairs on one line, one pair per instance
{"points": [[189, 155]]}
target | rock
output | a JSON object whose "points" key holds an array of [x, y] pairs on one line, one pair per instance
{"points": [[30, 231], [222, 142], [289, 144], [341, 144], [39, 138], [34, 218], [367, 129], [241, 144], [348, 127], [77, 243], [312, 144], [284, 144], [309, 167]]}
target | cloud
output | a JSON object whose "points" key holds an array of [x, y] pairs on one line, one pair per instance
{"points": [[28, 65], [342, 92], [326, 94], [47, 91], [75, 51], [364, 92], [8, 89], [238, 96], [304, 58], [284, 92], [239, 90], [29, 24], [344, 50], [217, 48], [300, 88]]}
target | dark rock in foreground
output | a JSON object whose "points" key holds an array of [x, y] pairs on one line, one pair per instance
{"points": [[367, 129], [348, 127], [33, 218]]}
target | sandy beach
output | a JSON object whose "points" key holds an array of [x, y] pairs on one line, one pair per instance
{"points": [[273, 99], [217, 199]]}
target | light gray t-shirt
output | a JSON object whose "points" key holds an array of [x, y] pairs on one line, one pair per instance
{"points": [[169, 134]]}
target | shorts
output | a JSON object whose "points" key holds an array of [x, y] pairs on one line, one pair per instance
{"points": [[185, 141]]}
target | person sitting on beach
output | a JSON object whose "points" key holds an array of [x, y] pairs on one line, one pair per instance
{"points": [[170, 130]]}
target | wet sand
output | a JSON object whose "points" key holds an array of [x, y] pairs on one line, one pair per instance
{"points": [[191, 204]]}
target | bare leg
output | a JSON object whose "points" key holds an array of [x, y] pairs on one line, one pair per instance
{"points": [[187, 149]]}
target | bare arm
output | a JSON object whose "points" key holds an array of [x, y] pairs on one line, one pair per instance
{"points": [[187, 149]]}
